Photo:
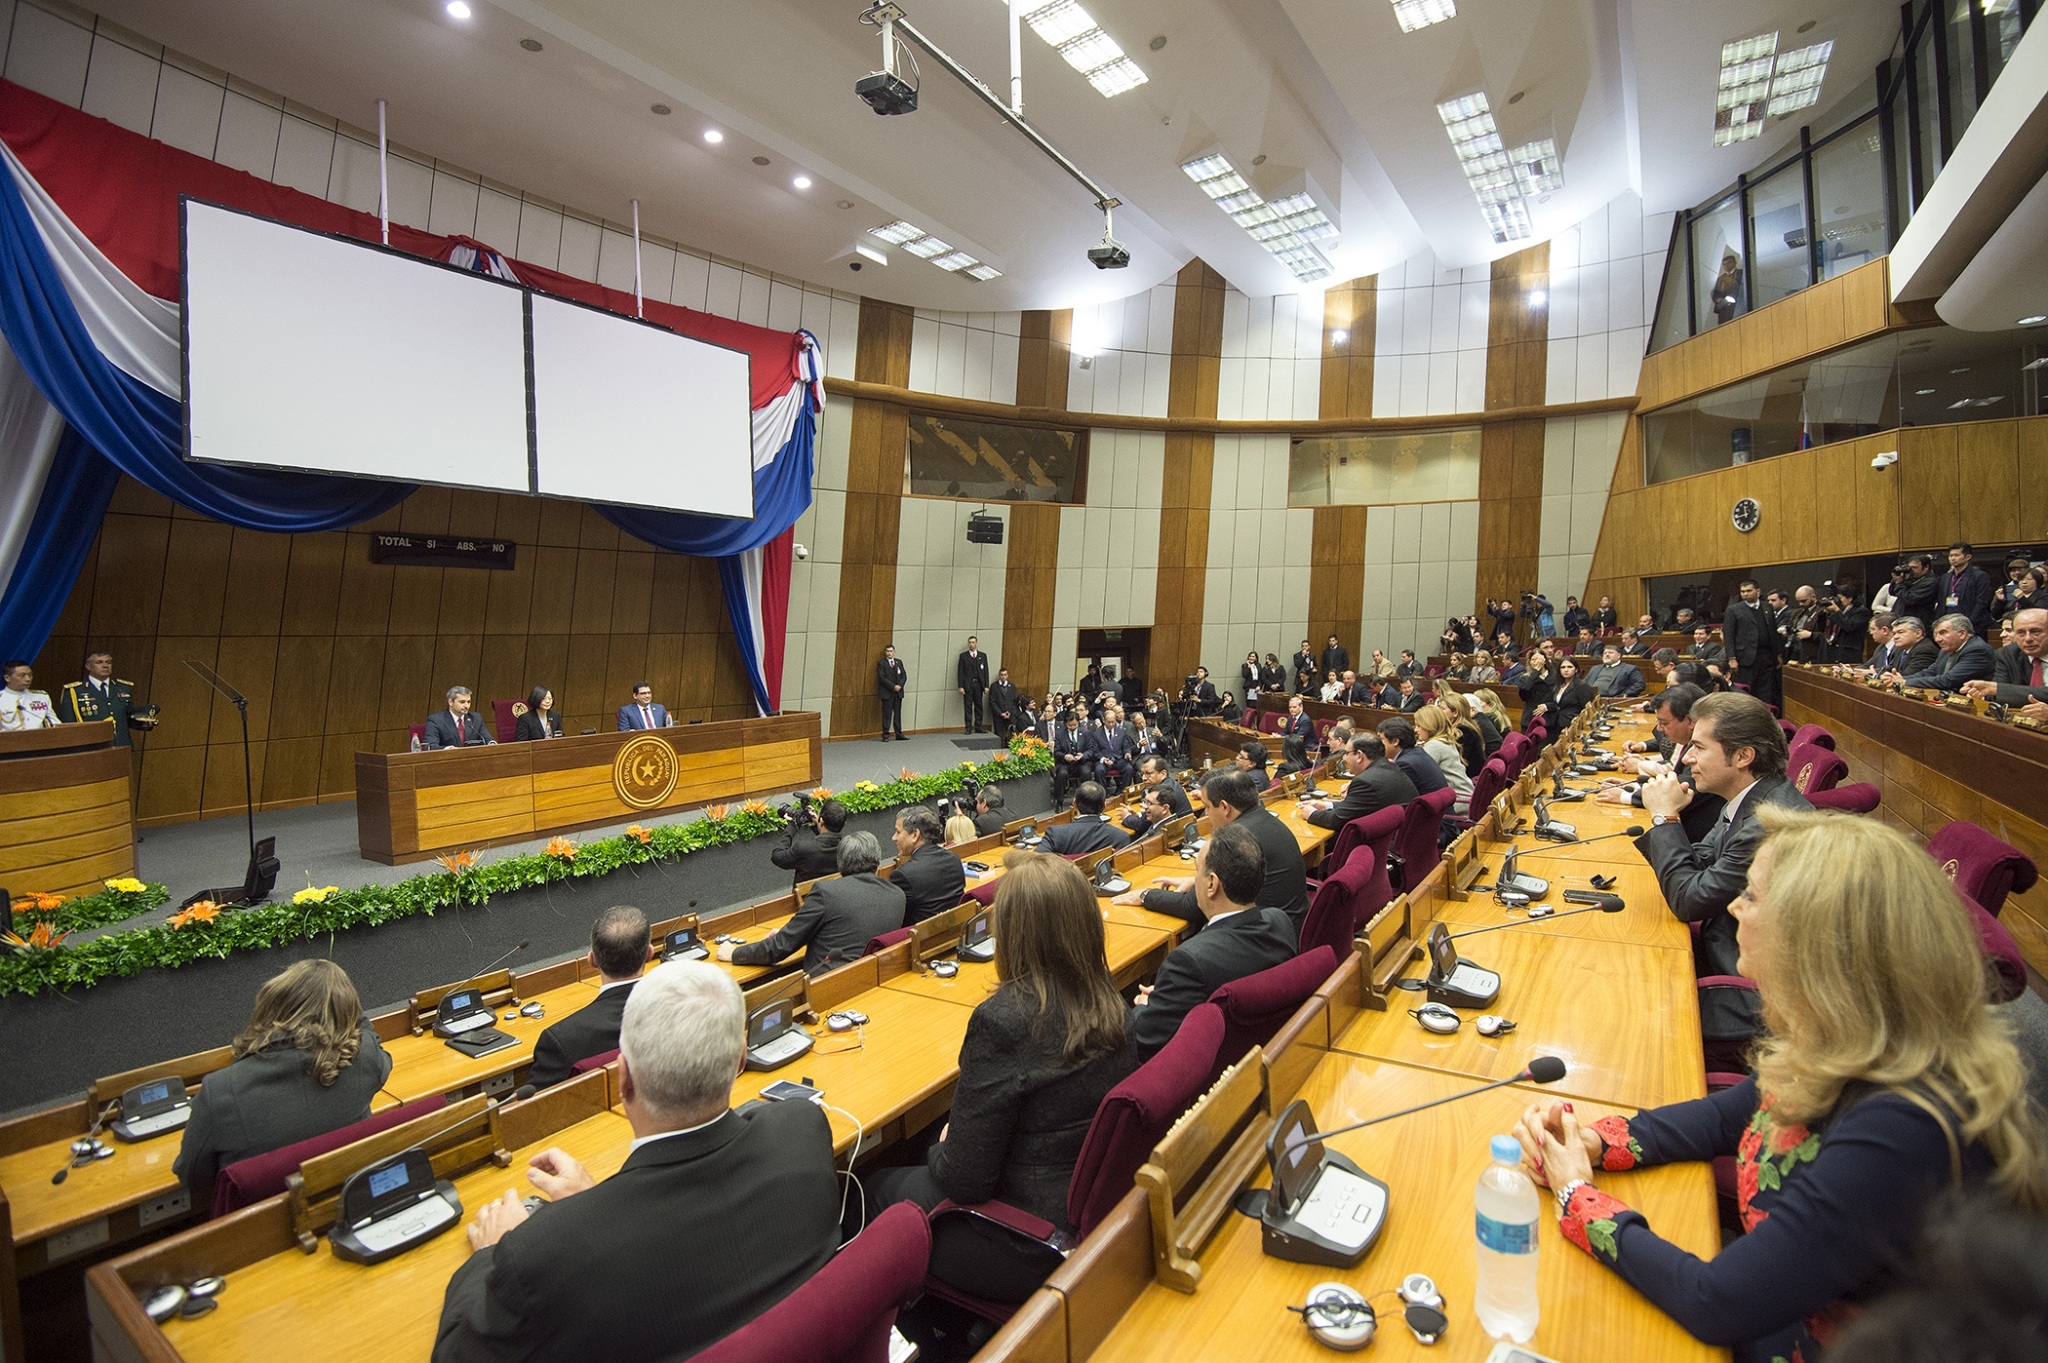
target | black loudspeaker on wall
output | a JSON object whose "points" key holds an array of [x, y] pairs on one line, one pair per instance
{"points": [[983, 528]]}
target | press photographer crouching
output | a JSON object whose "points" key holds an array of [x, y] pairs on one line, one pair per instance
{"points": [[988, 810], [810, 845]]}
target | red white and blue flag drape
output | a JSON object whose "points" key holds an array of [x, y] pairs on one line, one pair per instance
{"points": [[90, 377]]}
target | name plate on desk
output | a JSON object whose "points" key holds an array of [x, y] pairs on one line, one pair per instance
{"points": [[441, 551]]}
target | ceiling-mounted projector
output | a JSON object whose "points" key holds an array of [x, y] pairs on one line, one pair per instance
{"points": [[887, 93], [1111, 255]]}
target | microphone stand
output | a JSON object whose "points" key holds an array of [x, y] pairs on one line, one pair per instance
{"points": [[1524, 1077], [251, 884]]}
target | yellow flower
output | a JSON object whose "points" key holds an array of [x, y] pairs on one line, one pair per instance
{"points": [[865, 785], [205, 911], [126, 885], [562, 848]]}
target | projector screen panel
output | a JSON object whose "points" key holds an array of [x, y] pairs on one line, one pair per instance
{"points": [[311, 352], [637, 414]]}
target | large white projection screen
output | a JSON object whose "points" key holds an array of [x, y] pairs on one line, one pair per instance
{"points": [[626, 412], [304, 351]]}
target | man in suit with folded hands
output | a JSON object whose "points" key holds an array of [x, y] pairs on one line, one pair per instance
{"points": [[890, 677], [1375, 783], [596, 1272], [2019, 673], [1232, 799], [1239, 936], [837, 919], [619, 950], [643, 713], [970, 677], [456, 726]]}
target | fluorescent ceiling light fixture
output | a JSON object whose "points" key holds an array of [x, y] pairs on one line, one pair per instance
{"points": [[1758, 83], [1500, 178], [1284, 227], [870, 253], [898, 232], [955, 260], [1537, 166], [982, 272], [1081, 41], [926, 247], [1414, 14], [1796, 82]]}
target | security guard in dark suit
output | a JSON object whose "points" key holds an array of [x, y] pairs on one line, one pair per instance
{"points": [[103, 696]]}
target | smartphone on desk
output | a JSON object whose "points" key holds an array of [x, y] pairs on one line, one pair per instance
{"points": [[783, 1090], [1505, 1352]]}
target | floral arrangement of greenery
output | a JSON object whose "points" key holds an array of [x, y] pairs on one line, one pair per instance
{"points": [[40, 960]]}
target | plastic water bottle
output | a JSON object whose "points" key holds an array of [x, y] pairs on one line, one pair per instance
{"points": [[1507, 1210], [416, 747]]}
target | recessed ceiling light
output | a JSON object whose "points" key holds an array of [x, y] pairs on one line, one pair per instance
{"points": [[898, 232], [1807, 27], [1339, 336], [530, 44], [2035, 320], [956, 260], [1158, 42], [983, 272], [1518, 96], [458, 9], [662, 109], [713, 136], [802, 182], [846, 203], [1960, 369], [1286, 227], [1414, 14], [926, 247], [1081, 41]]}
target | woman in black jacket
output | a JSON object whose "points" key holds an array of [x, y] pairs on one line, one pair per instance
{"points": [[540, 719], [1040, 1054], [308, 1063], [1538, 685], [1573, 694]]}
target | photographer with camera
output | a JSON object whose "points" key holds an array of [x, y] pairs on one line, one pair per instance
{"points": [[987, 802], [1198, 692], [810, 845]]}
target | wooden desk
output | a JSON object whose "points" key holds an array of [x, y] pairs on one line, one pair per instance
{"points": [[1431, 1162], [1584, 1001], [315, 1306], [1645, 922], [66, 820], [1134, 952], [411, 806]]}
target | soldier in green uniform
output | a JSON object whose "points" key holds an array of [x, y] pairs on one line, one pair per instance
{"points": [[102, 695]]}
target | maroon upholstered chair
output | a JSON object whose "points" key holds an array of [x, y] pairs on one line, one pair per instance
{"points": [[1515, 751], [1415, 845], [1814, 734], [2004, 967], [845, 1312], [1374, 833], [1270, 721], [1791, 730], [1812, 769], [1859, 798], [1983, 867], [1487, 784], [247, 1182], [890, 939], [1333, 919], [984, 894], [595, 1062], [1323, 727], [1255, 1005], [418, 732], [1132, 1118], [507, 713]]}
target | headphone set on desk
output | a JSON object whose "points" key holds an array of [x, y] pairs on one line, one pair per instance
{"points": [[1339, 1318], [1439, 1018]]}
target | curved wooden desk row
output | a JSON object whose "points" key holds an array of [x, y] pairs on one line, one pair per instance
{"points": [[1937, 763], [411, 806], [1343, 1052]]}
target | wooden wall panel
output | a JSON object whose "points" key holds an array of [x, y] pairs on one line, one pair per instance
{"points": [[1511, 453], [874, 504], [1336, 574], [1185, 489], [1031, 549], [338, 655]]}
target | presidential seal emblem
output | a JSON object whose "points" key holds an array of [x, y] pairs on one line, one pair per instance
{"points": [[644, 772]]}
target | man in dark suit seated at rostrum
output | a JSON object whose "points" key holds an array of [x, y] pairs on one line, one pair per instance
{"points": [[838, 918], [1238, 937], [714, 1217], [1232, 798], [619, 949], [456, 726], [1375, 783], [931, 878], [1088, 831]]}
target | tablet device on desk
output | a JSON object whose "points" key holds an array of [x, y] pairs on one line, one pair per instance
{"points": [[392, 1205], [151, 1109]]}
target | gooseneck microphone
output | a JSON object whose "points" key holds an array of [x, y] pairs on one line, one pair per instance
{"points": [[1609, 903], [502, 959], [1544, 1069]]}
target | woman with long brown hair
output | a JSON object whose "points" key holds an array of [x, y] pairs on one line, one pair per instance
{"points": [[1883, 1081], [1040, 1053], [307, 1063]]}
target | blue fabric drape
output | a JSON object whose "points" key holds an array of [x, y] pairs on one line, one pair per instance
{"points": [[137, 428], [74, 500]]}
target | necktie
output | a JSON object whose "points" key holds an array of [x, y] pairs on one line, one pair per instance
{"points": [[646, 717], [2035, 680]]}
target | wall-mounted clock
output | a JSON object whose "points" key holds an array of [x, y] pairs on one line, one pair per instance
{"points": [[1746, 515]]}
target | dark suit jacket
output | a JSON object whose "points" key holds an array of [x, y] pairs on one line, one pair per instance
{"points": [[807, 853], [1336, 659], [268, 1100], [441, 731], [931, 880], [1973, 597], [1421, 770], [1919, 658], [591, 1030], [990, 822], [1002, 702], [1239, 945], [889, 674], [1920, 597], [1086, 833], [1205, 698], [1108, 745], [1070, 743], [971, 672], [533, 726], [1286, 886], [2014, 672], [837, 921], [1700, 879], [1020, 1112], [1887, 659], [629, 717], [1413, 701], [1751, 637], [1379, 785], [1972, 662], [1169, 794], [1305, 672], [602, 1274]]}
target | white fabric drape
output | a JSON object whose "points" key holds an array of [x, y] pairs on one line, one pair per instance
{"points": [[29, 429]]}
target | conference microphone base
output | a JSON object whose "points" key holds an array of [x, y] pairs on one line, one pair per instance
{"points": [[1337, 1223]]}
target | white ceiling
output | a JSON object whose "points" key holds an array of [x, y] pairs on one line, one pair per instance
{"points": [[1329, 89]]}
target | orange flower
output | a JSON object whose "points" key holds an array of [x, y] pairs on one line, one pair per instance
{"points": [[455, 863], [35, 901], [755, 807], [716, 813], [643, 836], [561, 847], [999, 757], [907, 774], [822, 793], [205, 911], [40, 937]]}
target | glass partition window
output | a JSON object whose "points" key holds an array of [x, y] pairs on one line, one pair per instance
{"points": [[1848, 194], [1720, 289], [994, 461], [1777, 233], [1371, 470], [1917, 378]]}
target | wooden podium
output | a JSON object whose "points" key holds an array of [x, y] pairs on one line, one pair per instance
{"points": [[414, 805], [66, 820]]}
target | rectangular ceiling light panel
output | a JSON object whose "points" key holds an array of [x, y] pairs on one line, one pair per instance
{"points": [[1414, 14], [1500, 178], [1075, 35], [1284, 228], [1758, 83]]}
